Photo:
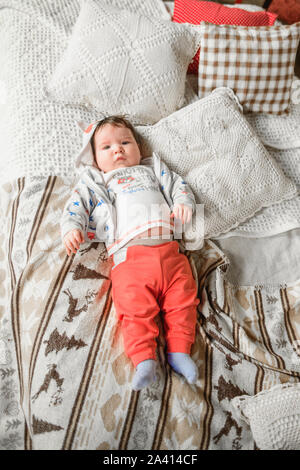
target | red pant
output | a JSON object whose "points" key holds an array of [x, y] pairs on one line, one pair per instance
{"points": [[154, 278]]}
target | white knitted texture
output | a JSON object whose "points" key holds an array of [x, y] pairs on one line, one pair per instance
{"points": [[274, 416], [121, 62], [281, 135], [37, 136], [62, 14], [216, 151], [282, 217]]}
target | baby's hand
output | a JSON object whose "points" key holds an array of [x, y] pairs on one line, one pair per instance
{"points": [[182, 212], [72, 240]]}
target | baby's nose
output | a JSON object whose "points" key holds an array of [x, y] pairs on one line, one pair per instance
{"points": [[118, 148]]}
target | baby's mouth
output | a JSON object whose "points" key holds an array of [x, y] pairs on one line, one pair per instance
{"points": [[120, 157]]}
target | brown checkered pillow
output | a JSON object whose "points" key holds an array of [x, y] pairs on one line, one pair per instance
{"points": [[257, 63]]}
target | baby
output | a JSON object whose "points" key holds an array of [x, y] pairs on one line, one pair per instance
{"points": [[126, 201]]}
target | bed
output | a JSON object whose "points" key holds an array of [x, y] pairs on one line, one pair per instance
{"points": [[64, 377]]}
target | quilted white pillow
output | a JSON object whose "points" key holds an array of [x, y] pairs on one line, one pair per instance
{"points": [[217, 152], [274, 416], [121, 62]]}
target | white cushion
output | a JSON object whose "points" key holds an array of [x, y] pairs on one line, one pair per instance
{"points": [[217, 152], [121, 62], [273, 416]]}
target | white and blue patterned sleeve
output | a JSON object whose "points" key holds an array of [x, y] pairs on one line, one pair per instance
{"points": [[78, 209], [176, 188]]}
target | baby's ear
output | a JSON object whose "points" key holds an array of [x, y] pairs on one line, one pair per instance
{"points": [[87, 128], [82, 125]]}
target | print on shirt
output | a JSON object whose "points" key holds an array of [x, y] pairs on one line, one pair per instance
{"points": [[132, 180]]}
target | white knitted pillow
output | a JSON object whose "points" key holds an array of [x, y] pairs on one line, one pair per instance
{"points": [[62, 14], [273, 416], [39, 136], [121, 62], [217, 152]]}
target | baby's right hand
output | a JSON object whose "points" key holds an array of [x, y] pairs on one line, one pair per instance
{"points": [[72, 241]]}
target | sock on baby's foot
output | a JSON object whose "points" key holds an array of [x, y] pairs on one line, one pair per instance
{"points": [[184, 365], [145, 374]]}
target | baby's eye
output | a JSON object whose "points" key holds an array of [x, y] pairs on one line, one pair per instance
{"points": [[125, 142], [106, 147]]}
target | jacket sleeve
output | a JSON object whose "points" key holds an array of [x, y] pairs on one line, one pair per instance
{"points": [[176, 188], [78, 209]]}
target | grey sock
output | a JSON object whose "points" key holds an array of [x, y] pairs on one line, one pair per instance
{"points": [[145, 374], [184, 365]]}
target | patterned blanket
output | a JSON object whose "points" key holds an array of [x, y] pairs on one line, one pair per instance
{"points": [[64, 378]]}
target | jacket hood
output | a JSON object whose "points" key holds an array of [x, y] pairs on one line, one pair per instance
{"points": [[85, 157]]}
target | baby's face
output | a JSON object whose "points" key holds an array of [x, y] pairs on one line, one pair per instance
{"points": [[115, 147]]}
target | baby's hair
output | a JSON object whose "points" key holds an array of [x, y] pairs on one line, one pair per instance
{"points": [[120, 121]]}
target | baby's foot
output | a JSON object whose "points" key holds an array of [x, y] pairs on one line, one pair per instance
{"points": [[184, 365], [145, 374]]}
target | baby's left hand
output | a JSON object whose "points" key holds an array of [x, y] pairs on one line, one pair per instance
{"points": [[182, 212]]}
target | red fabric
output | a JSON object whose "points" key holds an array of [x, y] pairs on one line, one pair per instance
{"points": [[154, 278], [194, 11], [288, 11]]}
